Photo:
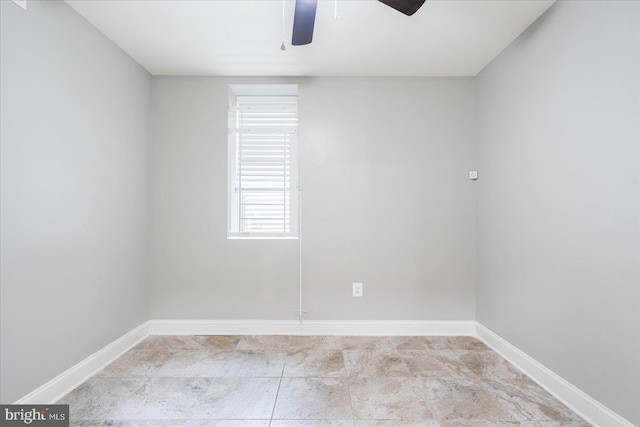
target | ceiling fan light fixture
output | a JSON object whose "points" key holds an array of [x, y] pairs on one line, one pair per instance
{"points": [[303, 21], [305, 16], [408, 7]]}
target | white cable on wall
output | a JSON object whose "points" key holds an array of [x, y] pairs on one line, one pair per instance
{"points": [[300, 249], [302, 314]]}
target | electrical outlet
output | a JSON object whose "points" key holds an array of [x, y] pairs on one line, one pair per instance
{"points": [[357, 289]]}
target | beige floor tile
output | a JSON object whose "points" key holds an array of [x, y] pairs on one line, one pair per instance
{"points": [[313, 381], [194, 363], [237, 398], [478, 423], [528, 401], [489, 364], [580, 423], [315, 342], [435, 364], [264, 342], [379, 363], [389, 398], [220, 342], [153, 423], [420, 343], [227, 423], [164, 399], [128, 423], [314, 363], [366, 343], [396, 423], [466, 343], [137, 363], [163, 343], [312, 423], [254, 363], [464, 399], [102, 398], [313, 399]]}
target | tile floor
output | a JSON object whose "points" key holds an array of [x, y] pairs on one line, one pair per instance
{"points": [[324, 381]]}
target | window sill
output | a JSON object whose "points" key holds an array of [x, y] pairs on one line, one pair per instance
{"points": [[239, 237]]}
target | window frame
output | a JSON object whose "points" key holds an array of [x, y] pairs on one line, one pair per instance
{"points": [[268, 92]]}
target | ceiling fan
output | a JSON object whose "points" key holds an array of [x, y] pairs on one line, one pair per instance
{"points": [[305, 16]]}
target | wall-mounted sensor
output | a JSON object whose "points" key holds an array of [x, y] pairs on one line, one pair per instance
{"points": [[473, 175]]}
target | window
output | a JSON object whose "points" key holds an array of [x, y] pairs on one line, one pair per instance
{"points": [[263, 174]]}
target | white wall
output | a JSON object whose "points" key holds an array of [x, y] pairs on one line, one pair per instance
{"points": [[387, 201], [74, 145], [559, 197]]}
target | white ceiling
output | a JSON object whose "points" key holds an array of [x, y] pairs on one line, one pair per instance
{"points": [[368, 38]]}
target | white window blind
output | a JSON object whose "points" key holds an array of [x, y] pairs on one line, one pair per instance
{"points": [[263, 166]]}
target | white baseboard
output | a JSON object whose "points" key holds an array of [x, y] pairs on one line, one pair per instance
{"points": [[310, 327], [71, 378], [584, 405]]}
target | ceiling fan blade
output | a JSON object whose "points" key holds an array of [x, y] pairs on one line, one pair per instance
{"points": [[408, 7], [303, 21]]}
